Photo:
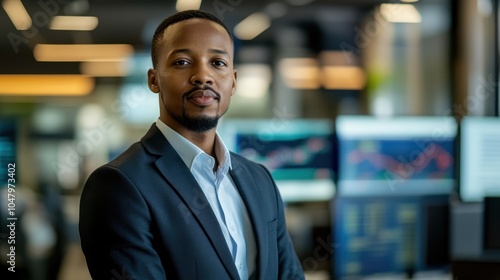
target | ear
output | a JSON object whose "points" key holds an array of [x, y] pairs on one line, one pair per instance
{"points": [[153, 81], [233, 90]]}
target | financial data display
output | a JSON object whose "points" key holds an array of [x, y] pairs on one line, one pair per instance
{"points": [[375, 235], [295, 149], [397, 156], [298, 153], [480, 158], [300, 156]]}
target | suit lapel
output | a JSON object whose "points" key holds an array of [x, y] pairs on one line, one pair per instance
{"points": [[250, 194], [173, 169]]}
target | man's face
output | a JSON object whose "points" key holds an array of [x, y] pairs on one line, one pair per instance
{"points": [[194, 76]]}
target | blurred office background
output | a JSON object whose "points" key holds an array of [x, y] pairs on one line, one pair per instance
{"points": [[379, 121]]}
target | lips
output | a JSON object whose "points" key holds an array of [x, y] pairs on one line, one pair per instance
{"points": [[203, 97]]}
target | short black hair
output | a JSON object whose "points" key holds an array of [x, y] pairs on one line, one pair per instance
{"points": [[178, 17]]}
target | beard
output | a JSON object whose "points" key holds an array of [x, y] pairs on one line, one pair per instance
{"points": [[199, 124], [195, 124]]}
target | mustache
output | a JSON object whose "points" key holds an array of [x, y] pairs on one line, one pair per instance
{"points": [[204, 88]]}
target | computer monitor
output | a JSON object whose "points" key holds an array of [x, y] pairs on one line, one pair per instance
{"points": [[395, 156], [391, 211], [8, 147], [390, 236], [298, 153], [479, 158]]}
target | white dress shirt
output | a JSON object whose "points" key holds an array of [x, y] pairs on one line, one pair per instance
{"points": [[222, 195]]}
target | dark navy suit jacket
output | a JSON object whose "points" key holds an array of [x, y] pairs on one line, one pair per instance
{"points": [[144, 216]]}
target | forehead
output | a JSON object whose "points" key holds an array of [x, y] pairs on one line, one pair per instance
{"points": [[196, 32]]}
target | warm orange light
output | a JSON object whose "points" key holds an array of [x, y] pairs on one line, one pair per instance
{"points": [[79, 23], [183, 5], [404, 13], [252, 26], [343, 77], [17, 14], [104, 68], [305, 73], [63, 85], [300, 73], [85, 52]]}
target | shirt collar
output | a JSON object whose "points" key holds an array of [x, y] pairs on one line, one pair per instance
{"points": [[189, 151]]}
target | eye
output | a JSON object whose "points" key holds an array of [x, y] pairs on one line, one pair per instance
{"points": [[219, 63], [181, 62]]}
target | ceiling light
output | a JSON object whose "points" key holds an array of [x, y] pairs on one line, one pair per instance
{"points": [[183, 5], [85, 52], [406, 13], [104, 68], [78, 23], [252, 26], [253, 80], [62, 85], [17, 14], [300, 73], [343, 77]]}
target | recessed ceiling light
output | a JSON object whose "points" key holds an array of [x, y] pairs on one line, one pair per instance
{"points": [[64, 85], [78, 23], [252, 26], [17, 14], [83, 52]]}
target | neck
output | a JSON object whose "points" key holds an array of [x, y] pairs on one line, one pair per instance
{"points": [[204, 140]]}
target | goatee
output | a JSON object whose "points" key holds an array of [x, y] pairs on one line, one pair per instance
{"points": [[199, 124]]}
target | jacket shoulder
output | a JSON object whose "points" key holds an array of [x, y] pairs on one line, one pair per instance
{"points": [[237, 159], [129, 162], [133, 153]]}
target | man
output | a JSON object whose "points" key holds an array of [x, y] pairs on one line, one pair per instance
{"points": [[178, 204]]}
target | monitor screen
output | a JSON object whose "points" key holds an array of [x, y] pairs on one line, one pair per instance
{"points": [[8, 147], [479, 158], [395, 156], [298, 153], [53, 122], [398, 235]]}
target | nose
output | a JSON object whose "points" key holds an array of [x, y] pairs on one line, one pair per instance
{"points": [[201, 75]]}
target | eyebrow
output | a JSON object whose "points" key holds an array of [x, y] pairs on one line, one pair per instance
{"points": [[216, 51]]}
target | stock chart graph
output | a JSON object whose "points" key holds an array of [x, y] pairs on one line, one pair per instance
{"points": [[300, 157], [408, 159], [298, 153]]}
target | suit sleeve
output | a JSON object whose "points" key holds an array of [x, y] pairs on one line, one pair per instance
{"points": [[289, 265], [115, 229]]}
